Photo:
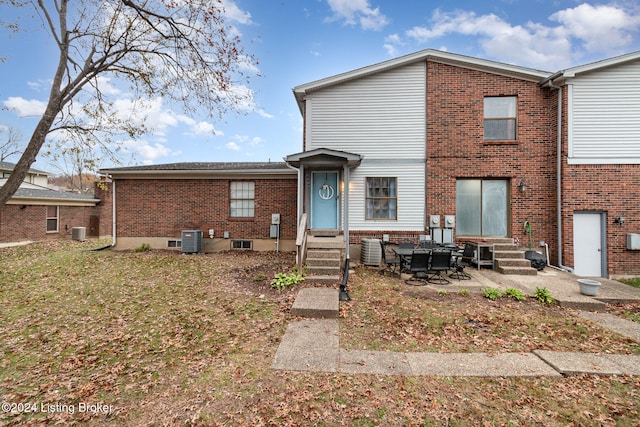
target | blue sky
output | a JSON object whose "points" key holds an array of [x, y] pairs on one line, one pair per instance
{"points": [[299, 41]]}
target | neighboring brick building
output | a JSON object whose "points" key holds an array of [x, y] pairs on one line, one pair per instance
{"points": [[154, 204], [36, 212]]}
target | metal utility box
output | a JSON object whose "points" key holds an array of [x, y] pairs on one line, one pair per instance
{"points": [[275, 219], [449, 221], [273, 231], [434, 221], [633, 241], [191, 241]]}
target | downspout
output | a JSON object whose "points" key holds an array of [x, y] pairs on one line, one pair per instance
{"points": [[113, 214], [559, 179], [344, 294]]}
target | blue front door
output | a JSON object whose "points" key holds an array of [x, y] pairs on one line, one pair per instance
{"points": [[324, 200]]}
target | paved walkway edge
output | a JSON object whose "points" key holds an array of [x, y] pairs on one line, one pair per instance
{"points": [[313, 345]]}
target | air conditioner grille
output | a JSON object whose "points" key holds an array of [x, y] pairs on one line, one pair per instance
{"points": [[371, 252]]}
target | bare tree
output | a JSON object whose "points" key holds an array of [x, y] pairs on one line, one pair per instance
{"points": [[180, 50], [10, 142]]}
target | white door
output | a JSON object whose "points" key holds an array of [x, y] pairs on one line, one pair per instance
{"points": [[587, 244]]}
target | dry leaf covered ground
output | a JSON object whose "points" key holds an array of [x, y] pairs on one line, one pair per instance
{"points": [[161, 338]]}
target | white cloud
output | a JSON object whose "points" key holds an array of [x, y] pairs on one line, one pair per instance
{"points": [[149, 152], [391, 44], [605, 29], [256, 141], [235, 14], [264, 114], [601, 28], [232, 146], [354, 12], [25, 107], [105, 86], [205, 129]]}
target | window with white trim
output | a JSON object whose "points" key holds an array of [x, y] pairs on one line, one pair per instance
{"points": [[52, 219], [500, 118], [242, 199], [381, 198]]}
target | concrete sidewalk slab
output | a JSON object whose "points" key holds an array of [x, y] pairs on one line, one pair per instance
{"points": [[309, 345], [623, 327], [317, 303], [374, 362], [479, 365], [570, 363]]}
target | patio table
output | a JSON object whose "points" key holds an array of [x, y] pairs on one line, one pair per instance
{"points": [[405, 255]]}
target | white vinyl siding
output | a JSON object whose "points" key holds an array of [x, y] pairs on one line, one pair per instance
{"points": [[383, 118], [604, 116], [410, 176], [380, 116]]}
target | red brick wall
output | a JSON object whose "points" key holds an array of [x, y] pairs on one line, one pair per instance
{"points": [[165, 207], [30, 222], [103, 210], [456, 146]]}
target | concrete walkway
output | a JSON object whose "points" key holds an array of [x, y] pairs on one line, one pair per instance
{"points": [[313, 344]]}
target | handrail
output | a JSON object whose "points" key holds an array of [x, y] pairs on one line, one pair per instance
{"points": [[301, 241]]}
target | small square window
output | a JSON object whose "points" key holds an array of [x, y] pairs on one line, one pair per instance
{"points": [[241, 244], [174, 243]]}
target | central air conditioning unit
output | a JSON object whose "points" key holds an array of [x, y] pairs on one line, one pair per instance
{"points": [[371, 252], [191, 241], [79, 233]]}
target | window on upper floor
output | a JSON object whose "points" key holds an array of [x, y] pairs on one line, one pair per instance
{"points": [[52, 219], [500, 118], [242, 199], [382, 198]]}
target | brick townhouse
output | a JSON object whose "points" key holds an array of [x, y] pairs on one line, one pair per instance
{"points": [[425, 142]]}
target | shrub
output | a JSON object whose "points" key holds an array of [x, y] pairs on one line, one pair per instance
{"points": [[516, 294], [464, 292], [283, 280], [491, 293], [543, 295], [142, 248]]}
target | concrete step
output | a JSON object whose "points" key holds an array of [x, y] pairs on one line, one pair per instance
{"points": [[323, 254], [314, 270], [499, 240], [508, 254], [522, 271], [329, 279], [498, 247], [317, 303], [324, 232], [512, 262], [325, 242], [323, 262]]}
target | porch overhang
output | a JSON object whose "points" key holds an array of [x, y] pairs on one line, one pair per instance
{"points": [[322, 158]]}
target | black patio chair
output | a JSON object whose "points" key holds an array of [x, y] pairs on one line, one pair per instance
{"points": [[390, 262], [427, 244], [440, 263], [462, 262], [405, 244], [419, 268]]}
